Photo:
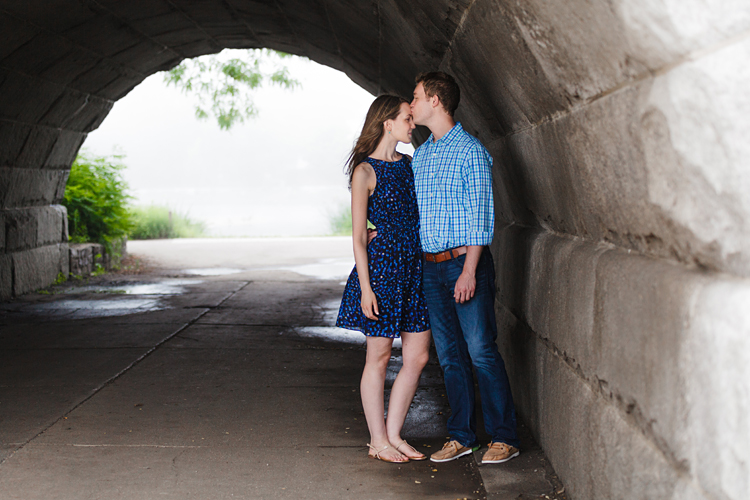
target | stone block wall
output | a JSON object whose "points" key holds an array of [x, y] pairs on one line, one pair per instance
{"points": [[629, 368], [33, 248], [84, 257], [623, 224]]}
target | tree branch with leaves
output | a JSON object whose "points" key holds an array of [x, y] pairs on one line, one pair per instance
{"points": [[224, 86]]}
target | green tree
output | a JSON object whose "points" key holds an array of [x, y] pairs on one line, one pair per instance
{"points": [[224, 85], [96, 199]]}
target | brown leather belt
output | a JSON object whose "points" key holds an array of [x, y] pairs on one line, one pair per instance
{"points": [[443, 256]]}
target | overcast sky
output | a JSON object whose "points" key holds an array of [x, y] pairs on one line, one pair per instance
{"points": [[278, 174]]}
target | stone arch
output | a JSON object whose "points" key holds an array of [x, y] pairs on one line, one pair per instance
{"points": [[621, 170]]}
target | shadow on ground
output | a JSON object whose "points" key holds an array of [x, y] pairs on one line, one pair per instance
{"points": [[229, 386]]}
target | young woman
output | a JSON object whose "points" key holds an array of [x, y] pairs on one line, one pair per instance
{"points": [[383, 297]]}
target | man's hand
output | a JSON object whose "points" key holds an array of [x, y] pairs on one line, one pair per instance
{"points": [[371, 234], [466, 285]]}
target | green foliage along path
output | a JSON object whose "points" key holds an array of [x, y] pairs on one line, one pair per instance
{"points": [[97, 200]]}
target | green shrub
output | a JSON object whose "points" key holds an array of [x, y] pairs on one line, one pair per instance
{"points": [[152, 222], [96, 198]]}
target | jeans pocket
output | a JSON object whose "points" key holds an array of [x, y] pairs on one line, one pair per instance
{"points": [[458, 262]]}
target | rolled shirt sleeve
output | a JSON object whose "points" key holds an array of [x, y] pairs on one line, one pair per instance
{"points": [[477, 178]]}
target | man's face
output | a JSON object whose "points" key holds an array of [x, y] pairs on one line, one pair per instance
{"points": [[421, 109]]}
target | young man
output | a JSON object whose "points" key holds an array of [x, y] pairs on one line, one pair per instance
{"points": [[453, 179]]}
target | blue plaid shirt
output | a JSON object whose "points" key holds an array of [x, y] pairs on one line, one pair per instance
{"points": [[453, 180]]}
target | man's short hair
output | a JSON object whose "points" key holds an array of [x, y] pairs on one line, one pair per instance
{"points": [[442, 85]]}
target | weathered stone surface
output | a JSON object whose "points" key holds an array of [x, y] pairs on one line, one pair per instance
{"points": [[591, 443], [26, 228], [52, 226], [2, 231], [52, 15], [618, 180], [6, 277], [83, 258], [24, 186], [65, 150], [14, 136], [37, 148], [24, 98], [718, 380], [657, 346], [16, 33], [20, 229], [37, 268]]}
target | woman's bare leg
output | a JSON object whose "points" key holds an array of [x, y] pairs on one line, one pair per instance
{"points": [[415, 353], [372, 390]]}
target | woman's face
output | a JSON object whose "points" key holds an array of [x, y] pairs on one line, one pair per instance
{"points": [[402, 126]]}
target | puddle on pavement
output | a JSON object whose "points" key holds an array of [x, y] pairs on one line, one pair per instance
{"points": [[93, 307], [212, 271], [78, 309], [325, 269], [167, 287], [333, 333], [331, 311]]}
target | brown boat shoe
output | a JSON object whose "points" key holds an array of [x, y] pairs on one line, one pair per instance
{"points": [[451, 451], [499, 453]]}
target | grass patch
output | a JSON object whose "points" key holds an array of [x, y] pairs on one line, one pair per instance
{"points": [[157, 222]]}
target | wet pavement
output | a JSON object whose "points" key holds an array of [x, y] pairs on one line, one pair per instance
{"points": [[182, 384]]}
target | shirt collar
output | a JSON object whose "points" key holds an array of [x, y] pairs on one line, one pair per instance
{"points": [[448, 137]]}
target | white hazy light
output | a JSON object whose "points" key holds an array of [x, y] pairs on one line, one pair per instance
{"points": [[278, 174]]}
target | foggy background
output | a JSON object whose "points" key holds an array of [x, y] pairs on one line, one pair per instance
{"points": [[279, 174]]}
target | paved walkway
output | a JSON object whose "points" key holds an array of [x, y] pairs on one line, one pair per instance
{"points": [[176, 385]]}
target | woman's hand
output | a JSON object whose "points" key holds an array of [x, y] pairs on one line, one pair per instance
{"points": [[370, 304]]}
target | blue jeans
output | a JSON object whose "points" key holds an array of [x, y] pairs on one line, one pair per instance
{"points": [[464, 337]]}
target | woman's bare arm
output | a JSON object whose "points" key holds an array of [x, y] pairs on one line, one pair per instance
{"points": [[363, 184]]}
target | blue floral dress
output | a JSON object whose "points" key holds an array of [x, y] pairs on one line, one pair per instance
{"points": [[394, 258]]}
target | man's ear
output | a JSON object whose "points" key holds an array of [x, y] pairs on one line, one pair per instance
{"points": [[435, 101]]}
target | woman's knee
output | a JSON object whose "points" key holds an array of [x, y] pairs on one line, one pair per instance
{"points": [[378, 360], [416, 361]]}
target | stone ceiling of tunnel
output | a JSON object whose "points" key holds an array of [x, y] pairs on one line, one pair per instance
{"points": [[105, 47]]}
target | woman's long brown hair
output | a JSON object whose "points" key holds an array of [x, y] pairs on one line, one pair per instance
{"points": [[384, 107]]}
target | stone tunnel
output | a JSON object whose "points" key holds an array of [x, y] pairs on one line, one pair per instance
{"points": [[619, 131]]}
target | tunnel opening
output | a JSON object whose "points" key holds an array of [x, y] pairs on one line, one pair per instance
{"points": [[622, 236], [278, 174]]}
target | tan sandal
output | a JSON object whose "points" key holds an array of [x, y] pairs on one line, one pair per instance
{"points": [[422, 457], [377, 456]]}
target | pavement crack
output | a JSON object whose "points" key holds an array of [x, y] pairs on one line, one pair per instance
{"points": [[129, 446]]}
